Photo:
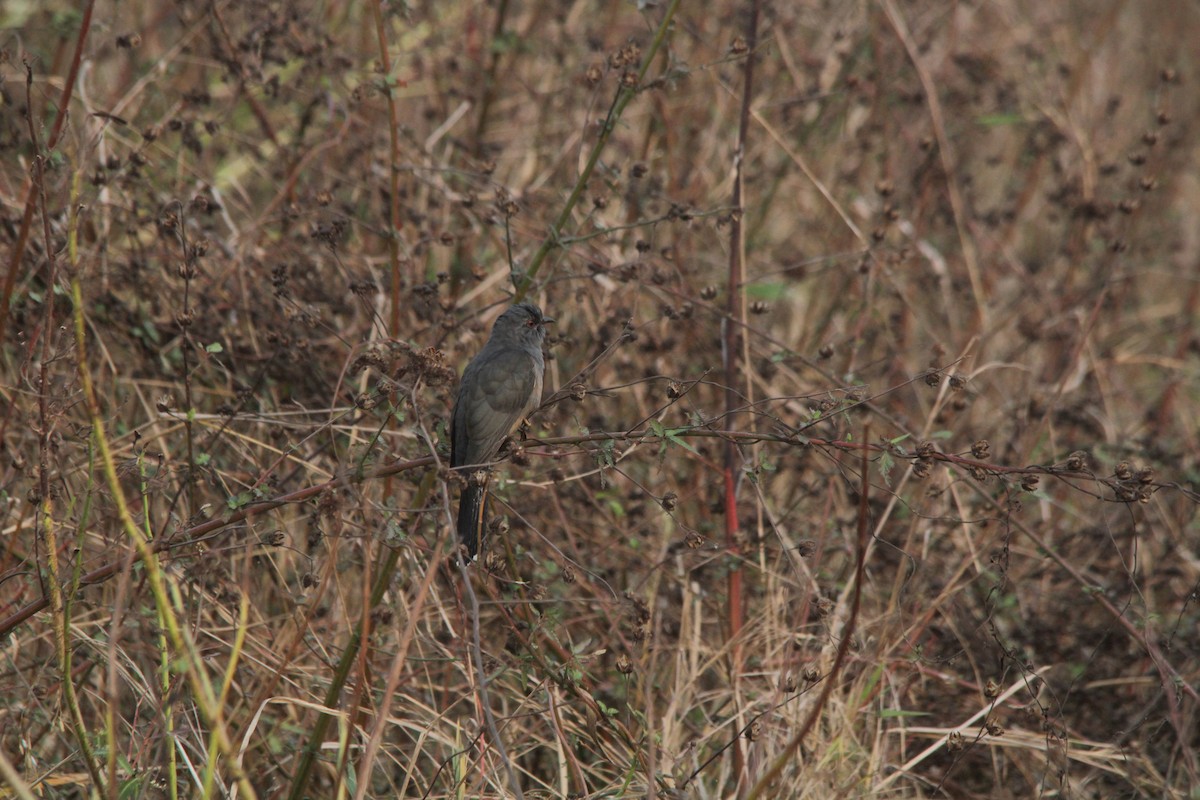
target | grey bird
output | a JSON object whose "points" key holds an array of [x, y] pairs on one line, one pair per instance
{"points": [[500, 387]]}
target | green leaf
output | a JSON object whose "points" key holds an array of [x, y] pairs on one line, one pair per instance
{"points": [[886, 462], [673, 436], [893, 713], [765, 291], [215, 347], [998, 120]]}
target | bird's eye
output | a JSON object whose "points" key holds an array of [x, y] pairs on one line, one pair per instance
{"points": [[531, 322]]}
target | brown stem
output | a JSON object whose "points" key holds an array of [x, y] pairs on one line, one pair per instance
{"points": [[732, 342], [64, 101]]}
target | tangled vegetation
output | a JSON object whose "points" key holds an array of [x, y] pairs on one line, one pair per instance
{"points": [[868, 460]]}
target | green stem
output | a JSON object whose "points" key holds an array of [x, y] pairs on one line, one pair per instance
{"points": [[624, 95], [349, 656]]}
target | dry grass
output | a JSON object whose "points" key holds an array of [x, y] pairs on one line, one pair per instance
{"points": [[966, 258]]}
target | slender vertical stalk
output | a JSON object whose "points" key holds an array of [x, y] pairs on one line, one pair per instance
{"points": [[52, 585], [385, 64], [732, 342]]}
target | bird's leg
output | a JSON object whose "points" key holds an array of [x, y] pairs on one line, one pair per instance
{"points": [[510, 443]]}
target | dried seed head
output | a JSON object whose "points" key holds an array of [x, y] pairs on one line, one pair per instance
{"points": [[1123, 471], [708, 292], [624, 664], [806, 548], [738, 46], [981, 449], [826, 351], [1077, 461], [759, 307], [669, 501], [811, 674], [578, 391], [275, 538], [1030, 483], [991, 690]]}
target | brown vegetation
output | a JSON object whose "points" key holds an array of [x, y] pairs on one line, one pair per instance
{"points": [[868, 461]]}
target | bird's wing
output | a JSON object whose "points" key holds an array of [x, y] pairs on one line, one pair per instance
{"points": [[498, 389]]}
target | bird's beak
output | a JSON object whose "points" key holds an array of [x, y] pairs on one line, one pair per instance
{"points": [[546, 320]]}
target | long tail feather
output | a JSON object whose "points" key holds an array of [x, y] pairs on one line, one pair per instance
{"points": [[471, 509]]}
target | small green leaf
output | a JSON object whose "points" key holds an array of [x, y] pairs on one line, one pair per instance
{"points": [[673, 436], [998, 120], [765, 291], [215, 347], [893, 713]]}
